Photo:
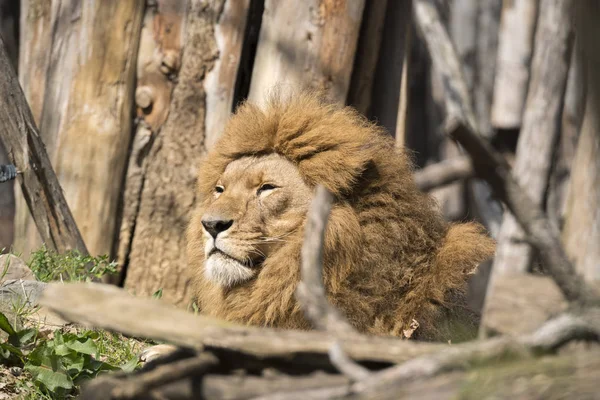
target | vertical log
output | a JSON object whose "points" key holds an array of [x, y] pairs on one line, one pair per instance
{"points": [[158, 59], [572, 117], [26, 151], [212, 39], [367, 55], [86, 116], [481, 202], [9, 24], [581, 233], [309, 43], [34, 57], [541, 127], [514, 55]]}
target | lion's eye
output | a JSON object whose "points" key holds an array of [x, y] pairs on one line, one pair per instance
{"points": [[219, 189], [265, 187]]}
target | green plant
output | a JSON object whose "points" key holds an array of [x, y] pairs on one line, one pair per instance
{"points": [[58, 364], [72, 266]]}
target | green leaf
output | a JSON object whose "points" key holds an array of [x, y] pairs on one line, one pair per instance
{"points": [[130, 365], [26, 335], [51, 378], [87, 347], [61, 350], [158, 294], [7, 349], [6, 326]]}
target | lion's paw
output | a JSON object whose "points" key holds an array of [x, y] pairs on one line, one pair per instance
{"points": [[155, 352]]}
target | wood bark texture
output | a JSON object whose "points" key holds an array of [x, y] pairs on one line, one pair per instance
{"points": [[211, 48], [387, 81], [39, 184], [515, 50], [310, 43], [367, 55], [582, 228], [9, 22], [34, 56], [86, 116], [541, 127], [159, 57]]}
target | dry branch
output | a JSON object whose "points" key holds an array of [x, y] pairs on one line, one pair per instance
{"points": [[444, 173], [490, 165], [310, 291], [27, 152]]}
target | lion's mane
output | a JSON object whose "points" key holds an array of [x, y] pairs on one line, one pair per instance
{"points": [[389, 255]]}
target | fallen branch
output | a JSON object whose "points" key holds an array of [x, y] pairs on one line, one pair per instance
{"points": [[112, 308], [444, 173], [490, 165], [145, 382]]}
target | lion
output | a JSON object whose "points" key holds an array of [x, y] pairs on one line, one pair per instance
{"points": [[391, 262]]}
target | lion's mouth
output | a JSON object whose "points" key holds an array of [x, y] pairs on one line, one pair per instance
{"points": [[248, 263]]}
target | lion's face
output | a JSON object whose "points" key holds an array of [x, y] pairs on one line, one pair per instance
{"points": [[257, 202]]}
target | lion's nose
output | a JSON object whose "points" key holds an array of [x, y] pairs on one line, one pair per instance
{"points": [[216, 226]]}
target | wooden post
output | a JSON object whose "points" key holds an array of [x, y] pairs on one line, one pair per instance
{"points": [[26, 151], [517, 30], [581, 233], [307, 43], [539, 134]]}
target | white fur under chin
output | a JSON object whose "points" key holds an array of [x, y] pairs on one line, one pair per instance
{"points": [[225, 271]]}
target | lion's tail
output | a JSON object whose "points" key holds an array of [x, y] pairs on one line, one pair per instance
{"points": [[465, 246]]}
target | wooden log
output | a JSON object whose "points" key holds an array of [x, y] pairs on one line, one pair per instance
{"points": [[515, 51], [86, 117], [444, 173], [112, 308], [9, 24], [157, 257], [540, 131], [26, 151], [310, 43], [158, 59], [581, 233], [367, 56], [492, 166], [572, 117], [35, 43], [387, 81]]}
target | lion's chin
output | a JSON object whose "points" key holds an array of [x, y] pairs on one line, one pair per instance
{"points": [[226, 271]]}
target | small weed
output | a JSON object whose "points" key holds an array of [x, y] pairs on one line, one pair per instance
{"points": [[71, 266], [38, 363]]}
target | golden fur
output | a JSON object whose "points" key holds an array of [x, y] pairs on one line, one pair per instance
{"points": [[389, 256]]}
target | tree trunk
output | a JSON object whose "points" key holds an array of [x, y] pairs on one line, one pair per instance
{"points": [[581, 233], [538, 138], [367, 55], [9, 23], [34, 57], [310, 43], [209, 40], [514, 55], [86, 116]]}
